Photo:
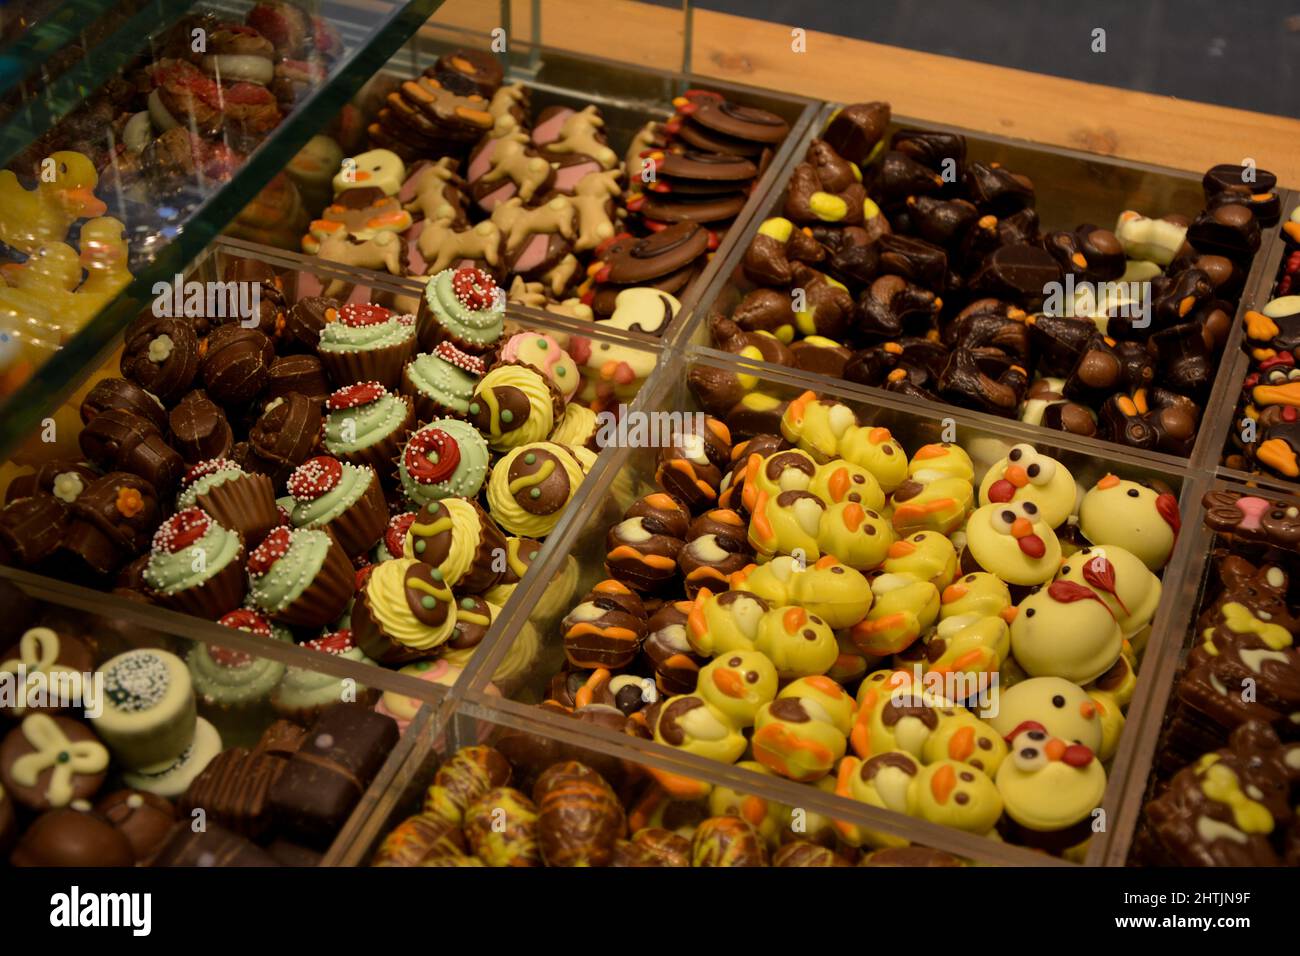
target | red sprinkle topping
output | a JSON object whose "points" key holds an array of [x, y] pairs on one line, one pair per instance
{"points": [[474, 288], [273, 547], [181, 530], [338, 642], [286, 519], [354, 315], [353, 396], [246, 619], [209, 467], [429, 442], [362, 576], [462, 360], [314, 477], [395, 534], [229, 657]]}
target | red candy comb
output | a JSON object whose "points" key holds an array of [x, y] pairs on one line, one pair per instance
{"points": [[1023, 727]]}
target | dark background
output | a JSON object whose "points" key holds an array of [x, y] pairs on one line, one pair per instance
{"points": [[1243, 53]]}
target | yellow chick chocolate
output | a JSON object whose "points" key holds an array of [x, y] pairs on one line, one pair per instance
{"points": [[1026, 474], [1013, 542]]}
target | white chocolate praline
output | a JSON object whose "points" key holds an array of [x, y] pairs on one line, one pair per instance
{"points": [[148, 710], [171, 778]]}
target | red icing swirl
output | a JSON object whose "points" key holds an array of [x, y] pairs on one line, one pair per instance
{"points": [[209, 467], [273, 547], [337, 642], [1100, 573], [314, 477], [395, 533], [354, 396], [181, 530], [426, 442], [474, 288], [472, 364], [246, 619], [355, 315]]}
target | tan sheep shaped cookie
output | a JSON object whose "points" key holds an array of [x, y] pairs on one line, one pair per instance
{"points": [[441, 245], [514, 160], [517, 222], [439, 192], [591, 198], [383, 251], [581, 134]]}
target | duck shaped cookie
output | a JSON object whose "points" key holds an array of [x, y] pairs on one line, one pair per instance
{"points": [[1134, 516], [1012, 541], [30, 218], [1028, 475]]}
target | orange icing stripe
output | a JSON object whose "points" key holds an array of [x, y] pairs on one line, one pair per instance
{"points": [[794, 618]]}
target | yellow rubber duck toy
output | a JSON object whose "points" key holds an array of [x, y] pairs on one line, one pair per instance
{"points": [[30, 218]]}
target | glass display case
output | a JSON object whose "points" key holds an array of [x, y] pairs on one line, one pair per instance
{"points": [[607, 221]]}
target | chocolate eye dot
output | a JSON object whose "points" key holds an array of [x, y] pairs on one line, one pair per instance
{"points": [[810, 635], [1031, 508], [1132, 492], [1029, 613], [1015, 454], [734, 662], [1029, 753], [1065, 570], [1033, 471], [751, 676], [968, 777], [837, 570], [970, 579], [1058, 701], [1008, 516]]}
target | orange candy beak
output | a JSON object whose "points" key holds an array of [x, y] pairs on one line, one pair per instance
{"points": [[1016, 475], [729, 683], [1022, 528]]}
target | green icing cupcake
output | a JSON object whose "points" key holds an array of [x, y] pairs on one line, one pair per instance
{"points": [[302, 693], [358, 331], [320, 511], [463, 306], [442, 382], [219, 472], [365, 425], [277, 583], [447, 458], [194, 567], [227, 679]]}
